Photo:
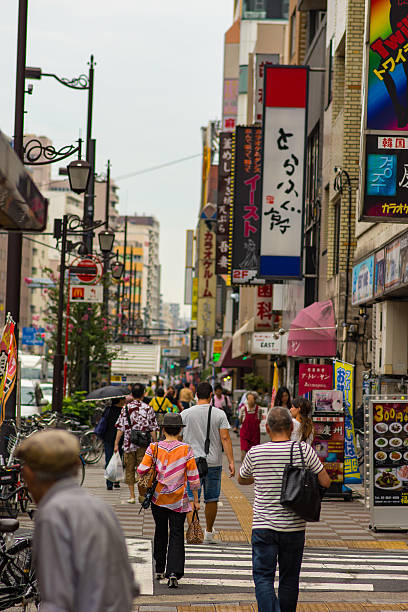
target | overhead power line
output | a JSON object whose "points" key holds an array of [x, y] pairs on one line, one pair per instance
{"points": [[153, 168]]}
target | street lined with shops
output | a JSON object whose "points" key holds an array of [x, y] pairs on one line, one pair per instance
{"points": [[344, 561]]}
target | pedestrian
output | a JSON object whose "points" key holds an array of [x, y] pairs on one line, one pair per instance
{"points": [[161, 405], [278, 534], [186, 396], [222, 401], [196, 421], [79, 551], [250, 421], [282, 398], [171, 396], [108, 437], [140, 417], [175, 466], [301, 411]]}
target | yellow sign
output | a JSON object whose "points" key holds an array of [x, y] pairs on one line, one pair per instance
{"points": [[194, 301], [207, 281], [217, 346], [343, 381]]}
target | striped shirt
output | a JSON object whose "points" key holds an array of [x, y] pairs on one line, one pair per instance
{"points": [[266, 463], [175, 464]]}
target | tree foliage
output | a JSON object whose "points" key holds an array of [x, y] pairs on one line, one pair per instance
{"points": [[89, 334]]}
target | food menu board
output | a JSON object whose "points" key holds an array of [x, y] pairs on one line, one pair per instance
{"points": [[390, 450], [328, 443]]}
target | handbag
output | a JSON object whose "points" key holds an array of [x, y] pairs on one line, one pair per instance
{"points": [[140, 438], [195, 534], [201, 462], [150, 491], [102, 424], [301, 491], [146, 480]]}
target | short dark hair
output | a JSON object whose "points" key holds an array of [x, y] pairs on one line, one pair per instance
{"points": [[218, 386], [160, 392], [172, 430], [187, 385], [204, 390], [138, 390]]}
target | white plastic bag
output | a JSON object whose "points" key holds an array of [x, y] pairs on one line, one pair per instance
{"points": [[114, 469]]}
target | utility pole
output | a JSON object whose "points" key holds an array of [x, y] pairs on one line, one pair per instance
{"points": [[130, 292], [106, 255], [57, 379], [90, 156], [124, 270], [15, 240]]}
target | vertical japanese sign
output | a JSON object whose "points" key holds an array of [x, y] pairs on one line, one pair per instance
{"points": [[207, 282], [223, 202], [193, 343], [343, 381], [261, 59], [328, 444], [246, 210], [285, 123], [384, 176], [264, 316], [194, 300], [8, 364], [230, 105]]}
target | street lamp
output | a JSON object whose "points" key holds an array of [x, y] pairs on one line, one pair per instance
{"points": [[106, 240], [117, 269], [79, 172]]}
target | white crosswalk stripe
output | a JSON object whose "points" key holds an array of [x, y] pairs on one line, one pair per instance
{"points": [[230, 567]]}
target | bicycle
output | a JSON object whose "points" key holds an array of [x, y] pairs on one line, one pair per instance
{"points": [[17, 576]]}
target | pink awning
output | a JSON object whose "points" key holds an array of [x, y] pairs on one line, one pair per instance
{"points": [[313, 332]]}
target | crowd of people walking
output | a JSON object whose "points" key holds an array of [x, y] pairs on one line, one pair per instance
{"points": [[172, 444]]}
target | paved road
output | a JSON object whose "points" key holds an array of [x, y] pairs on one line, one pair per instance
{"points": [[228, 569]]}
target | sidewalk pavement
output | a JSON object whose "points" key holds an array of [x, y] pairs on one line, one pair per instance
{"points": [[344, 526]]}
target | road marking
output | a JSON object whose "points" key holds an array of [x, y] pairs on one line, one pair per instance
{"points": [[140, 556], [304, 586]]}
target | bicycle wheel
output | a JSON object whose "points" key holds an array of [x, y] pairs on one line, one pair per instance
{"points": [[91, 447], [16, 564], [80, 475]]}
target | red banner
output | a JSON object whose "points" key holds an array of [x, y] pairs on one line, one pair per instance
{"points": [[315, 376]]}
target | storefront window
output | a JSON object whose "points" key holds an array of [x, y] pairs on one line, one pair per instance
{"points": [[265, 9]]}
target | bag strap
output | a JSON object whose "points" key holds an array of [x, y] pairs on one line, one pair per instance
{"points": [[301, 454], [195, 516], [160, 406], [128, 417], [207, 439]]}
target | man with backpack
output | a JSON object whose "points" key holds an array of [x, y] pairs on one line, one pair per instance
{"points": [[161, 406]]}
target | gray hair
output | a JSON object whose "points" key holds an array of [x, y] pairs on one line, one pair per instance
{"points": [[279, 419]]}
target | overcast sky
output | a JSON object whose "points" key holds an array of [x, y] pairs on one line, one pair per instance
{"points": [[158, 79]]}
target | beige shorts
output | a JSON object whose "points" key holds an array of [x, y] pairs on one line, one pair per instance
{"points": [[131, 461]]}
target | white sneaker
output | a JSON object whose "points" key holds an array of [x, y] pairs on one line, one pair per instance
{"points": [[209, 537], [131, 500]]}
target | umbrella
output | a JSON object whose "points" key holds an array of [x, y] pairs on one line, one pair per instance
{"points": [[106, 393], [313, 332]]}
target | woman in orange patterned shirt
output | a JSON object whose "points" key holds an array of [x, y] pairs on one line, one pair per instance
{"points": [[175, 465]]}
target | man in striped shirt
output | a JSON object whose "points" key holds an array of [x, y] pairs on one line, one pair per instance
{"points": [[278, 534]]}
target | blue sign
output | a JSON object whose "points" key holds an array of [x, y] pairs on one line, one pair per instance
{"points": [[381, 175], [363, 281], [33, 336]]}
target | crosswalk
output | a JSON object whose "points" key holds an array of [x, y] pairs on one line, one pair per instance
{"points": [[216, 568]]}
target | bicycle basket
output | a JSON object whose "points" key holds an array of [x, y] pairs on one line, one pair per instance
{"points": [[8, 476]]}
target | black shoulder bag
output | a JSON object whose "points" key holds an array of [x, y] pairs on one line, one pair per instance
{"points": [[140, 438], [202, 465], [301, 491]]}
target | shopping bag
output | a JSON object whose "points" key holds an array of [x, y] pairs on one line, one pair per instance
{"points": [[195, 534], [114, 469]]}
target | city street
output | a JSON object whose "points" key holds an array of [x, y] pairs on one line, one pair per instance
{"points": [[345, 567]]}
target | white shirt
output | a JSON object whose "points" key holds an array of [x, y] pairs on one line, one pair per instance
{"points": [[195, 431]]}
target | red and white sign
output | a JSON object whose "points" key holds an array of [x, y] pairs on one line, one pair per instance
{"points": [[86, 293], [314, 376], [92, 270], [285, 112], [392, 142], [264, 316]]}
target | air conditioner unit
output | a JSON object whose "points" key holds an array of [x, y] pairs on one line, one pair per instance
{"points": [[391, 338], [369, 356]]}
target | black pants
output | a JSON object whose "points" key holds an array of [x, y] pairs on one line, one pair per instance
{"points": [[171, 548]]}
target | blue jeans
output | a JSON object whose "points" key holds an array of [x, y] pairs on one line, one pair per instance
{"points": [[211, 484], [270, 547]]}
